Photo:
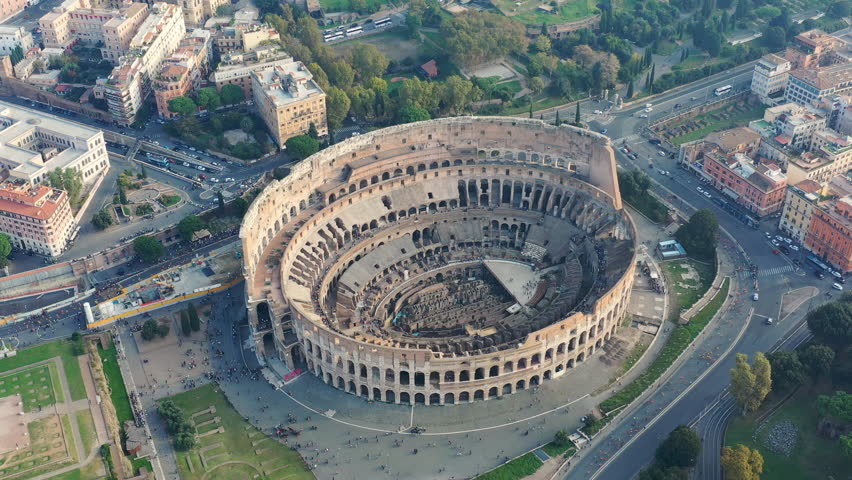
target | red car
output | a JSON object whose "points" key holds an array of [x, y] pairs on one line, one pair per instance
{"points": [[776, 251]]}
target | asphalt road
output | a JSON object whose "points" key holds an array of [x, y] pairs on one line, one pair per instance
{"points": [[700, 381]]}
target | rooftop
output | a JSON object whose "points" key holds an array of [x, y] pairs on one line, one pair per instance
{"points": [[38, 201], [287, 83], [825, 77], [733, 138]]}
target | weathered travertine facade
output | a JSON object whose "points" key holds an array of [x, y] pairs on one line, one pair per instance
{"points": [[366, 265]]}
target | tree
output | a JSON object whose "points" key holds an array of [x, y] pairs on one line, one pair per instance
{"points": [[413, 21], [240, 206], [182, 106], [680, 448], [312, 131], [557, 121], [194, 321], [149, 249], [102, 220], [184, 323], [839, 9], [5, 249], [473, 38], [67, 179], [247, 124], [163, 330], [368, 62], [562, 437], [542, 43], [741, 463], [775, 38], [208, 98], [536, 85], [660, 472], [149, 329], [38, 66], [458, 93], [837, 406], [221, 199], [77, 346], [577, 115], [337, 105], [787, 371], [232, 94], [302, 146], [410, 113], [751, 383], [629, 90], [189, 225], [846, 445], [122, 195], [698, 235], [832, 323], [184, 441], [816, 359], [143, 173]]}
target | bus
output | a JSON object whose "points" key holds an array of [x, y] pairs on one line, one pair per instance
{"points": [[354, 31], [385, 22], [814, 260], [158, 161], [722, 90]]}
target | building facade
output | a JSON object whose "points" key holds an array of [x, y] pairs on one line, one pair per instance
{"points": [[770, 78], [11, 7], [12, 37], [36, 218], [757, 187], [830, 233], [33, 143], [236, 69], [244, 38], [289, 101], [799, 204]]}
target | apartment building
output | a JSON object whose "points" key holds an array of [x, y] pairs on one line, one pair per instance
{"points": [[831, 155], [182, 72], [757, 187], [196, 12], [33, 143], [36, 218], [770, 78], [130, 82], [811, 49], [11, 7], [76, 20], [12, 37], [236, 68], [799, 203], [289, 100], [794, 125], [244, 37], [816, 84], [830, 233]]}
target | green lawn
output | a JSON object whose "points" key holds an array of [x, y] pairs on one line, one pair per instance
{"points": [[737, 118], [343, 5], [529, 14], [237, 443], [118, 394], [650, 206], [815, 457], [555, 450], [516, 469], [33, 384], [59, 348], [169, 200], [87, 430], [688, 291]]}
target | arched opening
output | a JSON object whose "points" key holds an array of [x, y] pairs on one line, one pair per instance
{"points": [[548, 354], [352, 387], [377, 395], [479, 395], [479, 374], [264, 319], [351, 367], [570, 363], [390, 396], [560, 349], [492, 392], [389, 376], [365, 392], [520, 385], [434, 378], [403, 379], [419, 379], [419, 399], [404, 397], [464, 397], [464, 376], [508, 368], [435, 399], [522, 364], [363, 369], [341, 384], [534, 381], [376, 373], [494, 371], [536, 359], [507, 389], [449, 377], [449, 399]]}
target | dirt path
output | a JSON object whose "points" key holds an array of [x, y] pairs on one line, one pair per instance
{"points": [[92, 395]]}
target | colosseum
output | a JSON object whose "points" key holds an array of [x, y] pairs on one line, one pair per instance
{"points": [[441, 262]]}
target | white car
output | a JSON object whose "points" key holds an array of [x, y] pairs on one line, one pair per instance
{"points": [[649, 105], [649, 110], [598, 112], [643, 116], [229, 179], [755, 297], [837, 286], [661, 153], [700, 190], [707, 194], [794, 248], [775, 242], [214, 180]]}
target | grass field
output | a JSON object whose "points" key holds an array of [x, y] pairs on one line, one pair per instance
{"points": [[343, 5], [738, 118], [33, 384], [528, 13], [516, 469], [87, 430], [239, 444], [47, 450], [118, 394], [814, 456], [59, 348], [688, 291], [555, 450]]}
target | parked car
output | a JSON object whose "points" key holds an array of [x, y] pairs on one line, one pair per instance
{"points": [[837, 286]]}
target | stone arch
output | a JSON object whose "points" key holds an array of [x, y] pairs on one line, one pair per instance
{"points": [[560, 349], [390, 396], [534, 381], [508, 367], [350, 365], [389, 375], [404, 378], [377, 394], [494, 371], [520, 385], [352, 387], [522, 363], [464, 376], [464, 396], [404, 397], [365, 392], [479, 373], [449, 376], [362, 370], [479, 395], [341, 384], [434, 378], [548, 354], [493, 392], [435, 399], [419, 399], [449, 399]]}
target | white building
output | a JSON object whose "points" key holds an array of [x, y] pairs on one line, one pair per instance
{"points": [[33, 143], [770, 78], [11, 37]]}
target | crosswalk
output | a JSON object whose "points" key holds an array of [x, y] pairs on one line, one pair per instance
{"points": [[776, 271]]}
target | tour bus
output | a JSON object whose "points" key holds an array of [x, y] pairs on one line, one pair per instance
{"points": [[158, 161], [354, 31], [385, 22], [338, 36], [722, 90]]}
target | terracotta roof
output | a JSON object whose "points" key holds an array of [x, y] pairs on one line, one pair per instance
{"points": [[808, 186], [430, 67], [35, 202]]}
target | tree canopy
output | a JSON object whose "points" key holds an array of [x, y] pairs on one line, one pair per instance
{"points": [[102, 220], [208, 98], [741, 463], [750, 383], [5, 249], [680, 448], [837, 406], [832, 323], [67, 179], [368, 61], [189, 225], [182, 106], [302, 146], [787, 371], [411, 113], [473, 38], [816, 359], [148, 248], [337, 105], [231, 94], [698, 235]]}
